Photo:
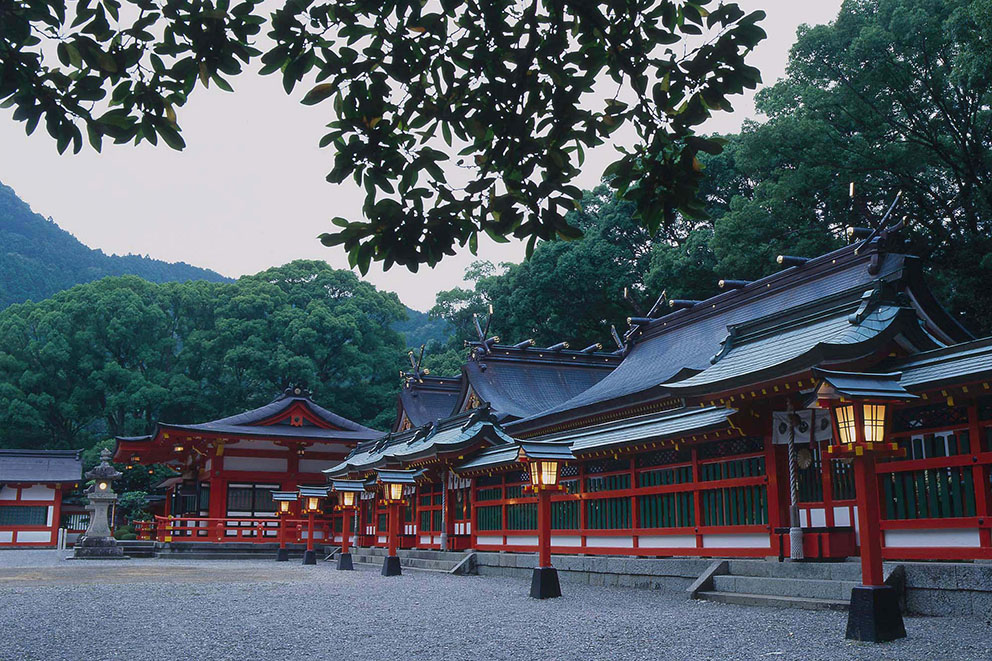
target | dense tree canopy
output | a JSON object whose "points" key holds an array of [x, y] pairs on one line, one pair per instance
{"points": [[115, 356], [519, 90], [893, 95]]}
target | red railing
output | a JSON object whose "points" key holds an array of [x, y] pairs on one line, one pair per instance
{"points": [[233, 529], [144, 529]]}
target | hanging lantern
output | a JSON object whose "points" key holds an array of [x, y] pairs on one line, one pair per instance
{"points": [[544, 473]]}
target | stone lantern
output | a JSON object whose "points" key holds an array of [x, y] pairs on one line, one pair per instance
{"points": [[98, 541]]}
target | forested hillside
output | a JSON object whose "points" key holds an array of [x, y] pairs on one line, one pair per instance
{"points": [[38, 258], [115, 356]]}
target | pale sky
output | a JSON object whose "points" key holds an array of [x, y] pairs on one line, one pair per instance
{"points": [[248, 192]]}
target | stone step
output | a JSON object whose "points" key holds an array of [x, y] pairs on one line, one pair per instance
{"points": [[831, 571], [773, 601], [408, 562], [785, 587], [226, 556], [371, 561], [424, 554]]}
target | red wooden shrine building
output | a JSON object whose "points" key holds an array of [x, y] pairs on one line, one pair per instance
{"points": [[32, 486], [228, 468], [679, 438]]}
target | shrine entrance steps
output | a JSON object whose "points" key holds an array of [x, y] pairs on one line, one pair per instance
{"points": [[807, 585], [419, 559], [138, 548]]}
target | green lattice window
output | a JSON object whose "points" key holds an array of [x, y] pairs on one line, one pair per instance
{"points": [[728, 470], [23, 515], [565, 515], [929, 494], [735, 506], [655, 478], [666, 510], [489, 517], [608, 513], [522, 516]]}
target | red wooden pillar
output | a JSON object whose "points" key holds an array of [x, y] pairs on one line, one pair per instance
{"points": [[869, 512], [394, 526], [56, 515], [697, 495], [217, 508], [980, 475], [345, 529], [544, 528], [310, 527]]}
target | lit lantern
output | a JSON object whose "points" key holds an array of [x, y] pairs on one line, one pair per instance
{"points": [[859, 404], [283, 500], [347, 491], [544, 462], [392, 482], [310, 497], [178, 447], [102, 486], [544, 474], [393, 492]]}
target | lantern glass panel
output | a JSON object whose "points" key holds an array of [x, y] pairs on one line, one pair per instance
{"points": [[395, 491], [874, 422], [845, 423], [544, 473], [312, 503], [284, 506], [348, 498]]}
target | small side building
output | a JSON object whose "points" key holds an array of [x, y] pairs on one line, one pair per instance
{"points": [[32, 484]]}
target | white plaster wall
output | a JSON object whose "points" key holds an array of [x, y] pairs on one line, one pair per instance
{"points": [[6, 536], [489, 539], [38, 492], [622, 542], [521, 540], [756, 540], [566, 540], [8, 493], [956, 537], [667, 541], [33, 537]]}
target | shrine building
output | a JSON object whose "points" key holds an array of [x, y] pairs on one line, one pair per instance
{"points": [[228, 468], [32, 484], [679, 443], [674, 444]]}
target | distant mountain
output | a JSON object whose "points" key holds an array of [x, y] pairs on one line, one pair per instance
{"points": [[38, 258]]}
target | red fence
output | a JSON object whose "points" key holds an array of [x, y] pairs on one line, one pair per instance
{"points": [[231, 529]]}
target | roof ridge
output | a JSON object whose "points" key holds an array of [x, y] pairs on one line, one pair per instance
{"points": [[816, 268]]}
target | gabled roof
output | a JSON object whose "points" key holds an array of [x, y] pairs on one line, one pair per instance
{"points": [[293, 413], [446, 437], [683, 342], [519, 382], [794, 346], [968, 361], [655, 427], [882, 385], [293, 416], [427, 398], [40, 466]]}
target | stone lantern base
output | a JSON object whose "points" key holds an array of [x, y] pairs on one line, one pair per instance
{"points": [[97, 548]]}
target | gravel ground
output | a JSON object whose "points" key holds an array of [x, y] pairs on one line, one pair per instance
{"points": [[168, 609]]}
